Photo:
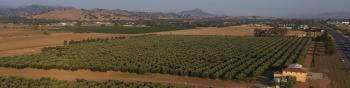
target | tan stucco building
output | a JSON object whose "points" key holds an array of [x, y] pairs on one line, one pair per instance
{"points": [[299, 73]]}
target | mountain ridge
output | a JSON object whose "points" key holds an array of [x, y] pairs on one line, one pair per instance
{"points": [[97, 14], [196, 13]]}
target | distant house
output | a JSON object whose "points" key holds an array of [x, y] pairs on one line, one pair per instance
{"points": [[66, 24], [304, 27], [103, 24], [294, 70], [63, 24], [127, 25], [345, 22], [287, 26]]}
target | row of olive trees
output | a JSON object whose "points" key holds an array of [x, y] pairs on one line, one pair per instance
{"points": [[71, 42], [18, 82], [216, 57], [270, 32]]}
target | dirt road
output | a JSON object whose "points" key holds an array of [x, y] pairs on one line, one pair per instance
{"points": [[336, 74], [101, 76]]}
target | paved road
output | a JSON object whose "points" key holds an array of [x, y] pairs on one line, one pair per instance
{"points": [[342, 43]]}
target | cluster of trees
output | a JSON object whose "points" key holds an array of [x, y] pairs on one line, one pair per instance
{"points": [[287, 82], [273, 32], [70, 42], [215, 57], [329, 44], [330, 47], [53, 48], [18, 82]]}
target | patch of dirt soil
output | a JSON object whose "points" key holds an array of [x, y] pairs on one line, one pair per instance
{"points": [[324, 83], [243, 30], [129, 77], [309, 56], [18, 42], [296, 33]]}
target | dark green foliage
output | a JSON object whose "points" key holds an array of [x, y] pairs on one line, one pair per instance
{"points": [[70, 42], [54, 48], [17, 82], [270, 32], [222, 57], [290, 82], [329, 45]]}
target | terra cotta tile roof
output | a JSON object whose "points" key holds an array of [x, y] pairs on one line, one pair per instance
{"points": [[294, 70]]}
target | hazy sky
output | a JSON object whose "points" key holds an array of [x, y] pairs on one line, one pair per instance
{"points": [[227, 7]]}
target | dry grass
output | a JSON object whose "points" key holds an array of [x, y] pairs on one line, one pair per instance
{"points": [[243, 30], [24, 41], [296, 33]]}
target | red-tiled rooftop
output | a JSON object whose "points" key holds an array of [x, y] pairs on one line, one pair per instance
{"points": [[294, 70]]}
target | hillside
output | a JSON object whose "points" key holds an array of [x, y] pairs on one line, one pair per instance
{"points": [[64, 14], [71, 13], [27, 10], [196, 13], [84, 15], [103, 15]]}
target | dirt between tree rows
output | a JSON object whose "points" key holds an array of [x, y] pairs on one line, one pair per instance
{"points": [[129, 77]]}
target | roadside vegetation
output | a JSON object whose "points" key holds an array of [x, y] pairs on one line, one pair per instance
{"points": [[288, 83], [18, 82], [330, 47], [340, 28], [215, 57]]}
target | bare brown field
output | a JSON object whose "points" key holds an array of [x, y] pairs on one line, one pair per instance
{"points": [[25, 41], [129, 77], [296, 33], [21, 41], [243, 30]]}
